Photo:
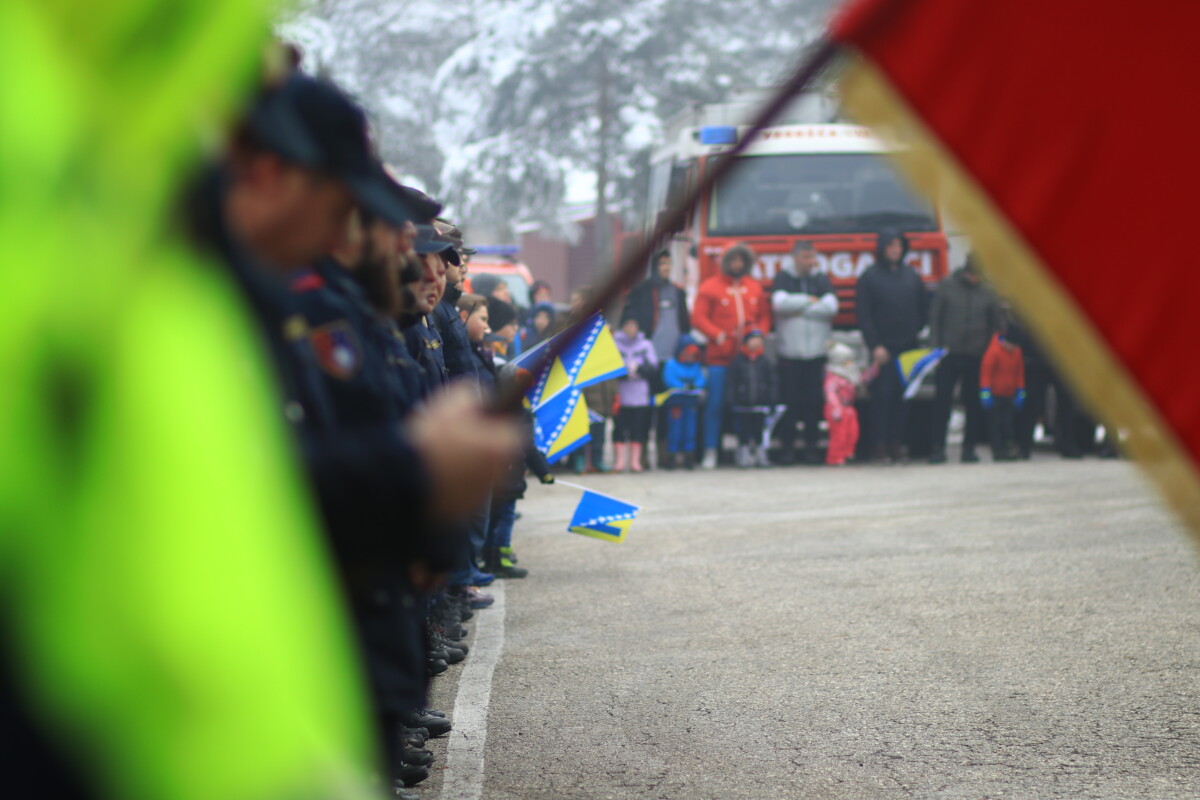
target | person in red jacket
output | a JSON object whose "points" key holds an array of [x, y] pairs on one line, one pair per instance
{"points": [[1002, 394], [727, 306]]}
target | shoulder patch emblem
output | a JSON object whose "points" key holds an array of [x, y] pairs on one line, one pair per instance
{"points": [[337, 349]]}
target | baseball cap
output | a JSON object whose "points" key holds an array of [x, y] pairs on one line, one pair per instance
{"points": [[429, 240], [426, 207], [313, 123], [451, 231]]}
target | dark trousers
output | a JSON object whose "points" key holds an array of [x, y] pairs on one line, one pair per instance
{"points": [[1037, 379], [802, 388], [953, 370], [1003, 418], [662, 432], [500, 523], [889, 411], [1075, 431], [749, 427], [632, 425], [477, 529], [595, 447]]}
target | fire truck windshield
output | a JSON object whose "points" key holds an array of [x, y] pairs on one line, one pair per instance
{"points": [[780, 195]]}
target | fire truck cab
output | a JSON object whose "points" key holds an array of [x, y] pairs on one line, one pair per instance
{"points": [[826, 183]]}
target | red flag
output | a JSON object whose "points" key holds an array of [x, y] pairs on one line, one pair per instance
{"points": [[1061, 137]]}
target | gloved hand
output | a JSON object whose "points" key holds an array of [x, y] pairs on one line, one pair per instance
{"points": [[1019, 400], [548, 478], [985, 398], [835, 413]]}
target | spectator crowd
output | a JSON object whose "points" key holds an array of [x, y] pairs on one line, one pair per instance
{"points": [[761, 362]]}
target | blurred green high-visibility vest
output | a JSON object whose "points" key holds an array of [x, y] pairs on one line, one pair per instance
{"points": [[171, 607]]}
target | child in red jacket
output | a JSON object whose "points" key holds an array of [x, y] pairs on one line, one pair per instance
{"points": [[1002, 394]]}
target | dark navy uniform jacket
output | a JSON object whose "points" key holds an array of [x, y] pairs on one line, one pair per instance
{"points": [[425, 347], [371, 376], [456, 347], [346, 349], [370, 483]]}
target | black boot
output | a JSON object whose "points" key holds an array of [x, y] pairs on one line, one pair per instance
{"points": [[411, 774], [437, 726], [417, 756]]}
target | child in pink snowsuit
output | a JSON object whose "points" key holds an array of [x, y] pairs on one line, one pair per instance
{"points": [[841, 384]]}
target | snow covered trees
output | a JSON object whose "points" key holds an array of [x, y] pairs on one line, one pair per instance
{"points": [[495, 105]]}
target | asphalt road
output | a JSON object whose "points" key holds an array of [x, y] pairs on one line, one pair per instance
{"points": [[1024, 630]]}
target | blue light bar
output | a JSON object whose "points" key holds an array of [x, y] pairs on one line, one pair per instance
{"points": [[718, 134], [497, 249]]}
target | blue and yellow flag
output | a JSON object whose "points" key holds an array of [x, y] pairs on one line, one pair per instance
{"points": [[593, 356], [915, 366], [561, 425], [602, 517], [590, 357]]}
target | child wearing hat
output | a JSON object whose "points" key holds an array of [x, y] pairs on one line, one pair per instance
{"points": [[751, 389], [685, 375], [842, 379], [502, 319]]}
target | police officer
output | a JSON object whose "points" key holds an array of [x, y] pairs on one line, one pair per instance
{"points": [[456, 346], [349, 302], [300, 166], [420, 329]]}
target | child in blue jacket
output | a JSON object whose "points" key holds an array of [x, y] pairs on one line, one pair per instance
{"points": [[685, 375]]}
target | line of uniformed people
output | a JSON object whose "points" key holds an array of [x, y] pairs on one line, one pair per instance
{"points": [[354, 281]]}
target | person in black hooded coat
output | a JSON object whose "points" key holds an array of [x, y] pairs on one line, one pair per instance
{"points": [[892, 305]]}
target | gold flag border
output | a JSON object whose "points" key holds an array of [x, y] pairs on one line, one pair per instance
{"points": [[1078, 350]]}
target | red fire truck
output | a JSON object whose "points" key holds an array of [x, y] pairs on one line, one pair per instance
{"points": [[826, 183]]}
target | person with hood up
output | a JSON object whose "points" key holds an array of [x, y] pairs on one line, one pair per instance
{"points": [[892, 307], [540, 327], [727, 306], [805, 305], [965, 314], [842, 377], [685, 374], [633, 392]]}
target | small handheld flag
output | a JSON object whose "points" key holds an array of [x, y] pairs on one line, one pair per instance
{"points": [[601, 516], [915, 366], [773, 416], [561, 425], [590, 357]]}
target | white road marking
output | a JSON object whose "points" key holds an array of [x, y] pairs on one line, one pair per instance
{"points": [[463, 778]]}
